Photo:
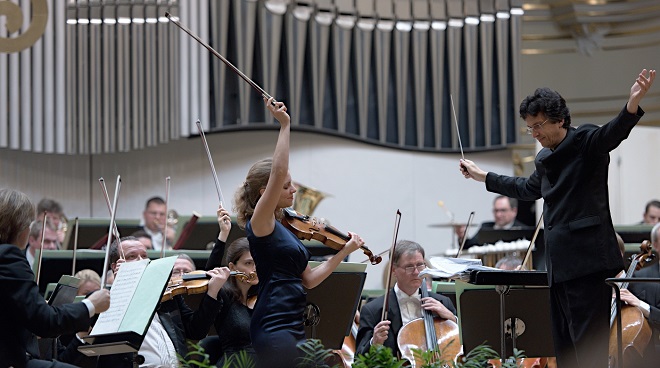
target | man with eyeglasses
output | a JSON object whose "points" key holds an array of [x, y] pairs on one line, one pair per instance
{"points": [[505, 210], [571, 177], [405, 303]]}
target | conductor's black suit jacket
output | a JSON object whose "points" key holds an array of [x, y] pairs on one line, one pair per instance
{"points": [[370, 315], [24, 312], [572, 180]]}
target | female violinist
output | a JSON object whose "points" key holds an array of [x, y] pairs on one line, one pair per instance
{"points": [[233, 321], [277, 321]]}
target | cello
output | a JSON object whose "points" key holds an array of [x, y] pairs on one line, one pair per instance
{"points": [[429, 333], [636, 331]]}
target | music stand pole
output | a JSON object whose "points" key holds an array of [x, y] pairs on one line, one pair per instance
{"points": [[502, 290]]}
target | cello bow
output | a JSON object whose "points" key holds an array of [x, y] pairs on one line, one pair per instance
{"points": [[531, 244], [388, 286]]}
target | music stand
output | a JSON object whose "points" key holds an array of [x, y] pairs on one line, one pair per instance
{"points": [[518, 316], [206, 231], [91, 230], [332, 305]]}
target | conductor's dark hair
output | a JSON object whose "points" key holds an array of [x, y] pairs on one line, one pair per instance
{"points": [[546, 101]]}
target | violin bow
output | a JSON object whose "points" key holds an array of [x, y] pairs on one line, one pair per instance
{"points": [[167, 202], [531, 243], [113, 224], [460, 249], [231, 66], [208, 154], [75, 247], [41, 250], [113, 212], [388, 286]]}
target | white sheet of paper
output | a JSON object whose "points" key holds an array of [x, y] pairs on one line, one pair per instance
{"points": [[121, 294]]}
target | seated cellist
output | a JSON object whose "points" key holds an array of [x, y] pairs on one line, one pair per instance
{"points": [[646, 297], [405, 302]]}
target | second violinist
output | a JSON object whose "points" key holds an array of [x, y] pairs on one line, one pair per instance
{"points": [[281, 259], [174, 321]]}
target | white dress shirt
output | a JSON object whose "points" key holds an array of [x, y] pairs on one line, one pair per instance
{"points": [[410, 305], [157, 348]]}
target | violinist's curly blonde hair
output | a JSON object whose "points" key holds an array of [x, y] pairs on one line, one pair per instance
{"points": [[247, 195]]}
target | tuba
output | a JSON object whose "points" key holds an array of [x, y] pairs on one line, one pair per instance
{"points": [[307, 199]]}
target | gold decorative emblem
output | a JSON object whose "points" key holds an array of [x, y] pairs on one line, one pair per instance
{"points": [[14, 21]]}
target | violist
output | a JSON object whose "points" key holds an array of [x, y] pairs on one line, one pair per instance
{"points": [[233, 321]]}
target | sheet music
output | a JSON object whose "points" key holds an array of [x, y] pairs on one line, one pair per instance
{"points": [[121, 294], [446, 267]]}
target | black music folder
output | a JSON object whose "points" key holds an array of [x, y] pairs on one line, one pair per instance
{"points": [[332, 305], [134, 296], [506, 309]]}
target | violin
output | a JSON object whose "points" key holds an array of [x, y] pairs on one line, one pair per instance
{"points": [[306, 228], [636, 331], [197, 282]]}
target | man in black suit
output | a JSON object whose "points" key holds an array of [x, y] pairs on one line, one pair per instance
{"points": [[23, 311], [571, 176], [646, 297], [404, 303], [505, 210]]}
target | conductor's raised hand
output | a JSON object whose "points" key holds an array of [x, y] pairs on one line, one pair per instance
{"points": [[278, 110], [219, 276], [639, 88], [470, 170], [100, 299]]}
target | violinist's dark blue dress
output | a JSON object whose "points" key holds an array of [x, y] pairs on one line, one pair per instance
{"points": [[277, 319]]}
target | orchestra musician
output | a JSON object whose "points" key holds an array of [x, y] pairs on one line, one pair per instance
{"points": [[49, 236], [174, 321], [24, 312], [154, 216], [277, 321], [505, 210], [405, 302], [646, 297], [651, 214], [53, 209], [571, 176], [233, 321]]}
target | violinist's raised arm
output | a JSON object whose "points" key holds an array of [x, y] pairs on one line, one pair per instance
{"points": [[24, 314]]}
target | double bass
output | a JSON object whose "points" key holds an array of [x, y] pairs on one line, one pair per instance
{"points": [[636, 331]]}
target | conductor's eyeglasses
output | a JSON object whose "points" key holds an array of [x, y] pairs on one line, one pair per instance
{"points": [[410, 269], [536, 127]]}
